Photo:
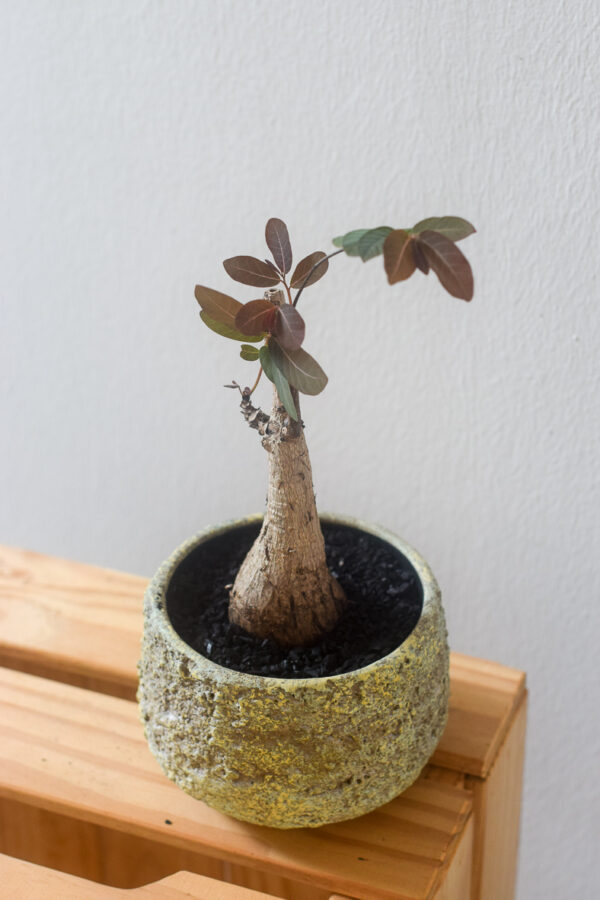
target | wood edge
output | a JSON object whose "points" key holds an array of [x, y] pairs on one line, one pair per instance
{"points": [[481, 768], [19, 873], [503, 732], [455, 879], [486, 667], [69, 670], [477, 786], [463, 832], [101, 571], [188, 882]]}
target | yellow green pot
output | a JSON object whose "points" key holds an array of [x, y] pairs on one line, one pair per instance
{"points": [[292, 753]]}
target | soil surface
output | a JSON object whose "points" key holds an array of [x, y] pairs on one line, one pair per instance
{"points": [[384, 604]]}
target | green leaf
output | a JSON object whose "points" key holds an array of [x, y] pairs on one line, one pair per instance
{"points": [[248, 352], [249, 270], [448, 263], [266, 362], [301, 370], [372, 241], [398, 259], [227, 331], [278, 242], [274, 374], [349, 241], [304, 267], [452, 227], [220, 307]]}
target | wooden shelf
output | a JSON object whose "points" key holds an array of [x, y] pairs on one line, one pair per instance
{"points": [[81, 792], [23, 880]]}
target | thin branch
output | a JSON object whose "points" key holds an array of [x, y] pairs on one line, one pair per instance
{"points": [[289, 293], [255, 385], [316, 266]]}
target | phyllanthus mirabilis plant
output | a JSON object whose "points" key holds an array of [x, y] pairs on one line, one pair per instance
{"points": [[284, 590]]}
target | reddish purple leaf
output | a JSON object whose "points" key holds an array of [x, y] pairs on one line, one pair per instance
{"points": [[220, 307], [419, 257], [448, 263], [304, 267], [278, 242], [289, 327], [398, 258], [249, 270], [273, 268], [255, 317]]}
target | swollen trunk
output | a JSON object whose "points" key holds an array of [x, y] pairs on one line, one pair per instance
{"points": [[284, 589]]}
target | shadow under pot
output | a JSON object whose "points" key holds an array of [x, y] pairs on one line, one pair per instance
{"points": [[302, 737]]}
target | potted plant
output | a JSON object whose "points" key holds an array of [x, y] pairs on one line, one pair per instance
{"points": [[294, 669]]}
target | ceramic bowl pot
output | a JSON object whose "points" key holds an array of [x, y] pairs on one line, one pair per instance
{"points": [[293, 753]]}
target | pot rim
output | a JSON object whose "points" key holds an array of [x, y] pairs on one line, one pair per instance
{"points": [[158, 587]]}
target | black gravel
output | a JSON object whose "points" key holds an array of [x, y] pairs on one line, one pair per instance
{"points": [[384, 604]]}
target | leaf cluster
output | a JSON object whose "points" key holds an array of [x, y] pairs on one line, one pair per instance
{"points": [[279, 327], [430, 244]]}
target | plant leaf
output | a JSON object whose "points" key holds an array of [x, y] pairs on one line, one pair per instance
{"points": [[227, 331], [304, 267], [448, 263], [273, 268], [266, 362], [371, 242], [419, 257], [452, 227], [219, 307], [249, 270], [301, 370], [349, 241], [256, 316], [275, 375], [398, 259], [289, 327], [278, 242], [248, 352]]}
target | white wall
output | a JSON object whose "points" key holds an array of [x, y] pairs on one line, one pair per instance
{"points": [[143, 142]]}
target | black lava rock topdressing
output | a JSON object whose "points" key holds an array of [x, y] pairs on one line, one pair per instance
{"points": [[384, 604]]}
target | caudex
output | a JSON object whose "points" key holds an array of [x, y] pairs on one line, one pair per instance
{"points": [[284, 590]]}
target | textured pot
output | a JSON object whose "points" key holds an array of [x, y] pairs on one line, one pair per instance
{"points": [[293, 752]]}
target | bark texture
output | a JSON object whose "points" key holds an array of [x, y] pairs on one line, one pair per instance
{"points": [[284, 589]]}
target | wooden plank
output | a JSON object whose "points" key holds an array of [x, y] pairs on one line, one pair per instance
{"points": [[82, 624], [497, 802], [123, 860], [82, 755], [484, 698], [22, 880], [454, 882], [70, 621], [93, 852]]}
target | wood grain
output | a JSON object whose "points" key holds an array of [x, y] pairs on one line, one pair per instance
{"points": [[454, 879], [22, 880], [497, 802], [70, 621], [81, 624], [82, 755]]}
